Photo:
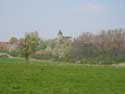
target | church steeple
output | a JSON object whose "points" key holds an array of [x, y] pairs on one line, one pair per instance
{"points": [[60, 33]]}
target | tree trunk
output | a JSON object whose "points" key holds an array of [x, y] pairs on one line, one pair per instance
{"points": [[27, 59]]}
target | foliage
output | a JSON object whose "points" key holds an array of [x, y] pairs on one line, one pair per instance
{"points": [[106, 47], [13, 39], [15, 53], [42, 54], [30, 45]]}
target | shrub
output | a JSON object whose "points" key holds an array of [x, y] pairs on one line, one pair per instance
{"points": [[42, 54]]}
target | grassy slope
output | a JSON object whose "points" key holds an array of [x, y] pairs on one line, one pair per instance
{"points": [[45, 78]]}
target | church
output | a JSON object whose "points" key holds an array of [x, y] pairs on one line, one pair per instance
{"points": [[63, 39]]}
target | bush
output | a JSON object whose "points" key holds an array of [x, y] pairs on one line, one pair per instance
{"points": [[42, 54], [4, 55], [15, 53]]}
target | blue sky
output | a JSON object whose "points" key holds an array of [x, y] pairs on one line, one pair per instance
{"points": [[48, 16]]}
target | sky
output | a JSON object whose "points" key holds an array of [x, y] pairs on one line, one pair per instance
{"points": [[48, 16]]}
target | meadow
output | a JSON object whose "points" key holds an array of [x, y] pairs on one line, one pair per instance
{"points": [[42, 77]]}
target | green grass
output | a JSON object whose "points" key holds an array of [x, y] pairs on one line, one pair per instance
{"points": [[16, 77]]}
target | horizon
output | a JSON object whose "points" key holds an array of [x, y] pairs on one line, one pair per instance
{"points": [[47, 17], [63, 34]]}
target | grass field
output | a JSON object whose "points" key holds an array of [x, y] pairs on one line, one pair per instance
{"points": [[16, 77]]}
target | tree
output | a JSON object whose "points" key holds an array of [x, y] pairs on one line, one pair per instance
{"points": [[13, 39], [30, 45]]}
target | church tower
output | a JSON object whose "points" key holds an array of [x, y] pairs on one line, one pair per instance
{"points": [[60, 35]]}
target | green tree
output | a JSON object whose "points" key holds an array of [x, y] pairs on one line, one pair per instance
{"points": [[30, 45], [42, 45], [13, 39]]}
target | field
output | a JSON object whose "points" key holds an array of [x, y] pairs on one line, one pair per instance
{"points": [[17, 77]]}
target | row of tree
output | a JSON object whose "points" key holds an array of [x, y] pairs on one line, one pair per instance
{"points": [[105, 47]]}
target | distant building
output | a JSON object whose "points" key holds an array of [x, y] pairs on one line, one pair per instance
{"points": [[62, 43], [9, 45], [4, 45], [61, 38], [15, 45]]}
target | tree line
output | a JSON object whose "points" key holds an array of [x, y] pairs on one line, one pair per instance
{"points": [[104, 47]]}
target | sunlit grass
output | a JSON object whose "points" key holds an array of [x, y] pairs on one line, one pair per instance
{"points": [[17, 77]]}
